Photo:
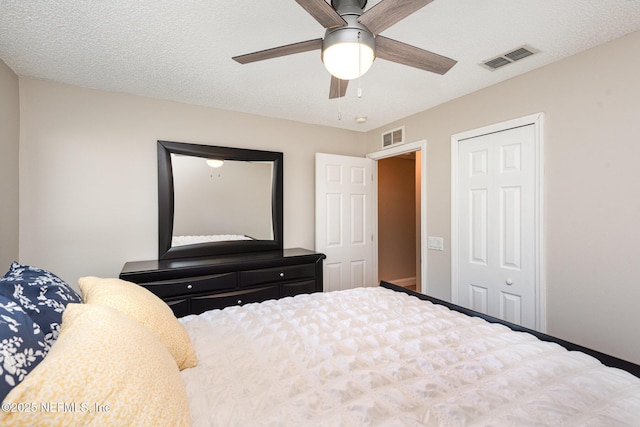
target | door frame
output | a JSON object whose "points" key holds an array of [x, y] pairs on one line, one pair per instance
{"points": [[393, 151], [537, 120]]}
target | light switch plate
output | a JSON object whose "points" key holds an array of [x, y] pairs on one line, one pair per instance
{"points": [[435, 243]]}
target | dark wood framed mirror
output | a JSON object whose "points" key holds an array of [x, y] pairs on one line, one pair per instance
{"points": [[218, 200]]}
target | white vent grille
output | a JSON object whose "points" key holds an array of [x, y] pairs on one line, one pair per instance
{"points": [[497, 62], [393, 137], [509, 57], [518, 54]]}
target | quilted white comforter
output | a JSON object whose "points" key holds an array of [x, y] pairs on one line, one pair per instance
{"points": [[371, 356]]}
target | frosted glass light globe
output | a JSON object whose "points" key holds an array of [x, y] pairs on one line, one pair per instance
{"points": [[344, 61]]}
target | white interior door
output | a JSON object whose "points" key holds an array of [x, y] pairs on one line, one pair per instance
{"points": [[344, 195], [496, 223]]}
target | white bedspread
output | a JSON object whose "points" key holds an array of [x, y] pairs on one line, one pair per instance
{"points": [[371, 356], [190, 240]]}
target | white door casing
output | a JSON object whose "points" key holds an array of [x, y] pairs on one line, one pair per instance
{"points": [[496, 221], [344, 204]]}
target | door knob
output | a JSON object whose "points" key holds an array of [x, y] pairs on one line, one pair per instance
{"points": [[509, 281]]}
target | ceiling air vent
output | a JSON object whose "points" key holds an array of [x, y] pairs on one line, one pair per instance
{"points": [[393, 137], [497, 63], [509, 57]]}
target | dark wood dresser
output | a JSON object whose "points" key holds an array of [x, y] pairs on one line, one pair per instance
{"points": [[195, 285]]}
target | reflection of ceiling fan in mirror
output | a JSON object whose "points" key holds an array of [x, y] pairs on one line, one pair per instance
{"points": [[352, 41]]}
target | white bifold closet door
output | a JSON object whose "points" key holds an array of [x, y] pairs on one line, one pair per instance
{"points": [[496, 224]]}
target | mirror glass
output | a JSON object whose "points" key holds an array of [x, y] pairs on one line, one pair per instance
{"points": [[230, 200], [217, 200]]}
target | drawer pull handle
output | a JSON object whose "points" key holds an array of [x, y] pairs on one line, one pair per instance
{"points": [[281, 274], [189, 286], [239, 301]]}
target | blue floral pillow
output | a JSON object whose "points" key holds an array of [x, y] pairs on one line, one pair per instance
{"points": [[22, 345], [42, 295]]}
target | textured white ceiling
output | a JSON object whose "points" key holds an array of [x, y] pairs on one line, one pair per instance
{"points": [[181, 50]]}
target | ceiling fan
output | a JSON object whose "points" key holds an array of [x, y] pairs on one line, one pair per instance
{"points": [[352, 41]]}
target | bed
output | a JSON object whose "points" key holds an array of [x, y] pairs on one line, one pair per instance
{"points": [[365, 356], [191, 240]]}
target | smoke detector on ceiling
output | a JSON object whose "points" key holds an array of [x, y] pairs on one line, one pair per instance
{"points": [[509, 57]]}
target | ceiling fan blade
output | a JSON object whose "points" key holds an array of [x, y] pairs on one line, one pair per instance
{"points": [[338, 88], [275, 52], [402, 53], [388, 12], [323, 13]]}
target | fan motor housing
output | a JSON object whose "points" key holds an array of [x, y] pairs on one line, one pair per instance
{"points": [[353, 32], [343, 5]]}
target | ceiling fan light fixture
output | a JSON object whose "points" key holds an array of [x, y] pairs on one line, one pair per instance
{"points": [[349, 46], [348, 53]]}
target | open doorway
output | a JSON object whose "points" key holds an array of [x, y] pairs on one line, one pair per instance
{"points": [[419, 150], [399, 220]]}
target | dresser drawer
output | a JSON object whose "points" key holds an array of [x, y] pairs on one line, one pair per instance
{"points": [[295, 288], [192, 285], [278, 274], [246, 296]]}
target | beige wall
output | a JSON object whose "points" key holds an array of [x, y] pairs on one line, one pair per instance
{"points": [[88, 171], [9, 142], [592, 186]]}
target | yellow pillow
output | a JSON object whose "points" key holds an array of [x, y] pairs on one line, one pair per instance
{"points": [[103, 370], [145, 308]]}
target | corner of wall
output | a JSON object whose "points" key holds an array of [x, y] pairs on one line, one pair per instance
{"points": [[9, 147]]}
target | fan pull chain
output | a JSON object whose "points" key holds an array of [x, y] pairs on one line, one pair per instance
{"points": [[339, 100]]}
